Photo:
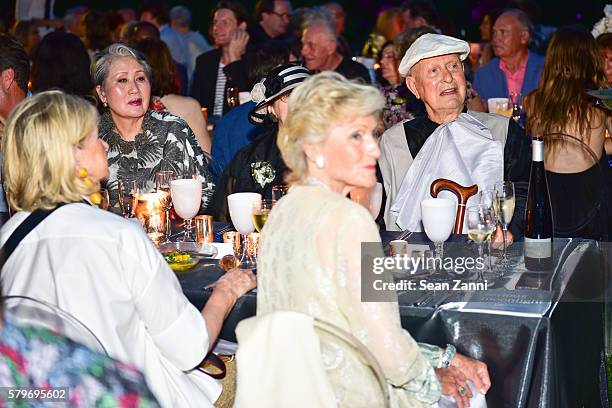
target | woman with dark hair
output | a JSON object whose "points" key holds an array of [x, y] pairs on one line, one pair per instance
{"points": [[96, 31], [165, 89], [560, 106], [61, 62]]}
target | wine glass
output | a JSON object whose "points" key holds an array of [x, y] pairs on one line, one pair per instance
{"points": [[487, 200], [186, 197], [162, 183], [128, 195], [240, 208], [261, 210], [504, 200], [438, 215], [517, 105], [481, 224]]}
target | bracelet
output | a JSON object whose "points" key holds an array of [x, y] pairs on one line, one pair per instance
{"points": [[447, 356]]}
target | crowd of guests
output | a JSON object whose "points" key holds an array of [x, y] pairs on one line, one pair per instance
{"points": [[96, 97]]}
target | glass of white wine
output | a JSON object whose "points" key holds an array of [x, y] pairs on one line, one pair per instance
{"points": [[504, 201], [261, 210], [162, 183], [481, 223], [487, 200]]}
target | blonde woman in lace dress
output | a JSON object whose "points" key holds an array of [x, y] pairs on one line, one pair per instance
{"points": [[309, 260]]}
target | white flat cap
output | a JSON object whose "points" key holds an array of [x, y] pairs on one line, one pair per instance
{"points": [[432, 45]]}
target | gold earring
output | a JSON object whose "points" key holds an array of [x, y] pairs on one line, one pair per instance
{"points": [[95, 198]]}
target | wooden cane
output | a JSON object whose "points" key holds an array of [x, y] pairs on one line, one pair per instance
{"points": [[462, 193]]}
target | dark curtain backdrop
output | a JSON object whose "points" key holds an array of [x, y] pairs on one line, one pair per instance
{"points": [[464, 15]]}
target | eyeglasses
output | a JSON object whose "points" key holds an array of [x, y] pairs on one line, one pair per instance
{"points": [[283, 15]]}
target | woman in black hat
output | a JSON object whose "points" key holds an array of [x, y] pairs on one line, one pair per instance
{"points": [[259, 166]]}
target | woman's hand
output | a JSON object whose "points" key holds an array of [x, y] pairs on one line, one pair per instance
{"points": [[474, 370], [454, 384], [236, 282], [497, 239]]}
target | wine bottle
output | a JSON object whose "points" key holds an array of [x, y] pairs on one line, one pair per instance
{"points": [[538, 214]]}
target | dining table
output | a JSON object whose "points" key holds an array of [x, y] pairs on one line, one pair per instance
{"points": [[543, 345]]}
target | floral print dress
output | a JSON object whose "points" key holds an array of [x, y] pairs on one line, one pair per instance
{"points": [[39, 359], [165, 143]]}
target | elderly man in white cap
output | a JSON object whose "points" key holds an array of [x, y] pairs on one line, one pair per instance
{"points": [[451, 142]]}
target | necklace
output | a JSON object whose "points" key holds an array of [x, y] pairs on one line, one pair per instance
{"points": [[313, 181]]}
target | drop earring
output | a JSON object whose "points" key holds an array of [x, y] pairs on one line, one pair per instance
{"points": [[319, 162], [95, 198]]}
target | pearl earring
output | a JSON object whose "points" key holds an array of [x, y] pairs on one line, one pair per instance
{"points": [[319, 162]]}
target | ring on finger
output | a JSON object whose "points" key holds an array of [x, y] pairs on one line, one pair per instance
{"points": [[462, 391]]}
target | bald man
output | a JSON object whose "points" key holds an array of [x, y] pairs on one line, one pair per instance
{"points": [[515, 70]]}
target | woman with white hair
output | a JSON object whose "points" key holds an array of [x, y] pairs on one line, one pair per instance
{"points": [[309, 260], [141, 141]]}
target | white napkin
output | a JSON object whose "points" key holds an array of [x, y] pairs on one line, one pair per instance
{"points": [[223, 249], [463, 151]]}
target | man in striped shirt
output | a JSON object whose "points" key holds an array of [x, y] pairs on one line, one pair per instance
{"points": [[220, 68]]}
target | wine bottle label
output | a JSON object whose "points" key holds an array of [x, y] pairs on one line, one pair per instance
{"points": [[537, 150], [538, 248]]}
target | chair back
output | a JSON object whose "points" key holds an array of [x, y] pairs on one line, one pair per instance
{"points": [[352, 343], [284, 350], [463, 194], [28, 311]]}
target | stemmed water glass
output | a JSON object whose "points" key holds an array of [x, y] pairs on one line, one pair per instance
{"points": [[438, 215], [481, 223], [240, 207], [162, 184], [186, 198], [504, 203], [261, 210], [128, 196]]}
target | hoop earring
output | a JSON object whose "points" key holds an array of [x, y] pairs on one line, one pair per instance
{"points": [[319, 162]]}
